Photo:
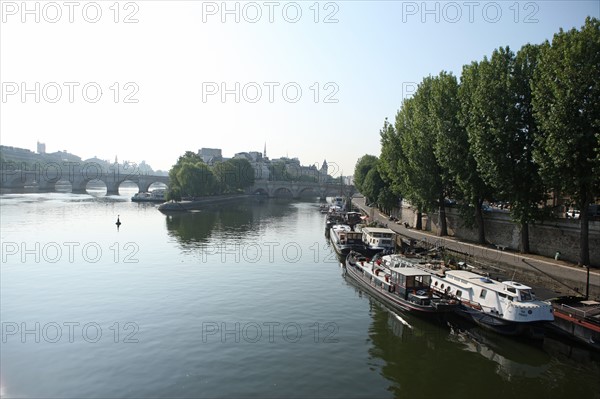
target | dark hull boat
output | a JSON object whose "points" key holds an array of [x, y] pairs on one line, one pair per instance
{"points": [[405, 289]]}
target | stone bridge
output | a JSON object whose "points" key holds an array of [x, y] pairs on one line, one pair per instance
{"points": [[300, 189], [45, 176]]}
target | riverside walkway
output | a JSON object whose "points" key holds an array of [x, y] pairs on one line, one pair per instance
{"points": [[555, 276]]}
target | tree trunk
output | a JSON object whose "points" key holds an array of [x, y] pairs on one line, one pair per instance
{"points": [[443, 224], [525, 238], [419, 225], [584, 245], [479, 221]]}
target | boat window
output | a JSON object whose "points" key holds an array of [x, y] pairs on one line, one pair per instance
{"points": [[459, 293], [442, 286], [502, 295], [525, 295], [436, 283], [483, 292], [511, 289]]}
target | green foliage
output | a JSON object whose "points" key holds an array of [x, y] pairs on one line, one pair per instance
{"points": [[387, 200], [482, 139], [566, 101], [372, 184], [196, 179], [176, 189], [501, 128], [390, 159], [362, 168], [233, 175]]}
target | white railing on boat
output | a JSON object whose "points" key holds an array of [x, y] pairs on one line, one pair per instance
{"points": [[576, 311]]}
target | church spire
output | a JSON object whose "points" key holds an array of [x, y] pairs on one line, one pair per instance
{"points": [[265, 150]]}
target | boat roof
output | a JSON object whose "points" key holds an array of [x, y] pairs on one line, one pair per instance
{"points": [[477, 279], [377, 230], [401, 258], [341, 227], [411, 271], [517, 285]]}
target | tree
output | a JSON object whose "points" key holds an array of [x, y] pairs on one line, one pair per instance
{"points": [[233, 175], [176, 191], [196, 179], [387, 200], [566, 101], [455, 153], [362, 168], [431, 181], [372, 184], [406, 177], [390, 158], [501, 129]]}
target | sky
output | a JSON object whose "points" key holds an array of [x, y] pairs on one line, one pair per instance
{"points": [[149, 80]]}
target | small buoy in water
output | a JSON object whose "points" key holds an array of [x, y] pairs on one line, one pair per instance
{"points": [[118, 221]]}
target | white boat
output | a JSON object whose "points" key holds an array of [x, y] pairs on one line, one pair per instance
{"points": [[153, 196], [377, 239], [344, 239], [338, 202], [506, 307]]}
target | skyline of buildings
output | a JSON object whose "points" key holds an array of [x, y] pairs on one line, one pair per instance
{"points": [[259, 161]]}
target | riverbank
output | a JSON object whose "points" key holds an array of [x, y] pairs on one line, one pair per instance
{"points": [[184, 206], [556, 276]]}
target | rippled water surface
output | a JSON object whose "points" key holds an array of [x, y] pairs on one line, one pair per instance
{"points": [[242, 300]]}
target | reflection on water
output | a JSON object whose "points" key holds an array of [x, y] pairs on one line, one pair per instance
{"points": [[445, 356], [191, 228], [170, 293], [508, 353]]}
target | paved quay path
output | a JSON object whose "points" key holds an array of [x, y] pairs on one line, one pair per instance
{"points": [[569, 274]]}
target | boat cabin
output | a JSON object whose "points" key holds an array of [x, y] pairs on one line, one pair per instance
{"points": [[412, 284], [475, 287], [346, 236], [377, 238], [353, 218]]}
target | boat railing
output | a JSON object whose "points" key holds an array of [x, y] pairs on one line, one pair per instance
{"points": [[472, 304], [577, 311]]}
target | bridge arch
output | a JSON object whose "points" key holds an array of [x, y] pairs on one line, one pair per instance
{"points": [[146, 185], [260, 191], [282, 192], [308, 192], [126, 185]]}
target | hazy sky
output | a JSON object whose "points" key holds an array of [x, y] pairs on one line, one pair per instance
{"points": [[313, 80]]}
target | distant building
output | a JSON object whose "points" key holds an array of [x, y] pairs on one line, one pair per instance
{"points": [[63, 156], [41, 148], [258, 163], [210, 155]]}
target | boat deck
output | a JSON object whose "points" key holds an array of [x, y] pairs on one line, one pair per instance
{"points": [[586, 310]]}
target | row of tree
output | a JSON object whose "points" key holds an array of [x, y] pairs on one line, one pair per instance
{"points": [[515, 128], [191, 177]]}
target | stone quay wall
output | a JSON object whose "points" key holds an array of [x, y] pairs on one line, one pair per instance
{"points": [[545, 237]]}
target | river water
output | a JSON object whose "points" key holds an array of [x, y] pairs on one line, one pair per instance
{"points": [[242, 300]]}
